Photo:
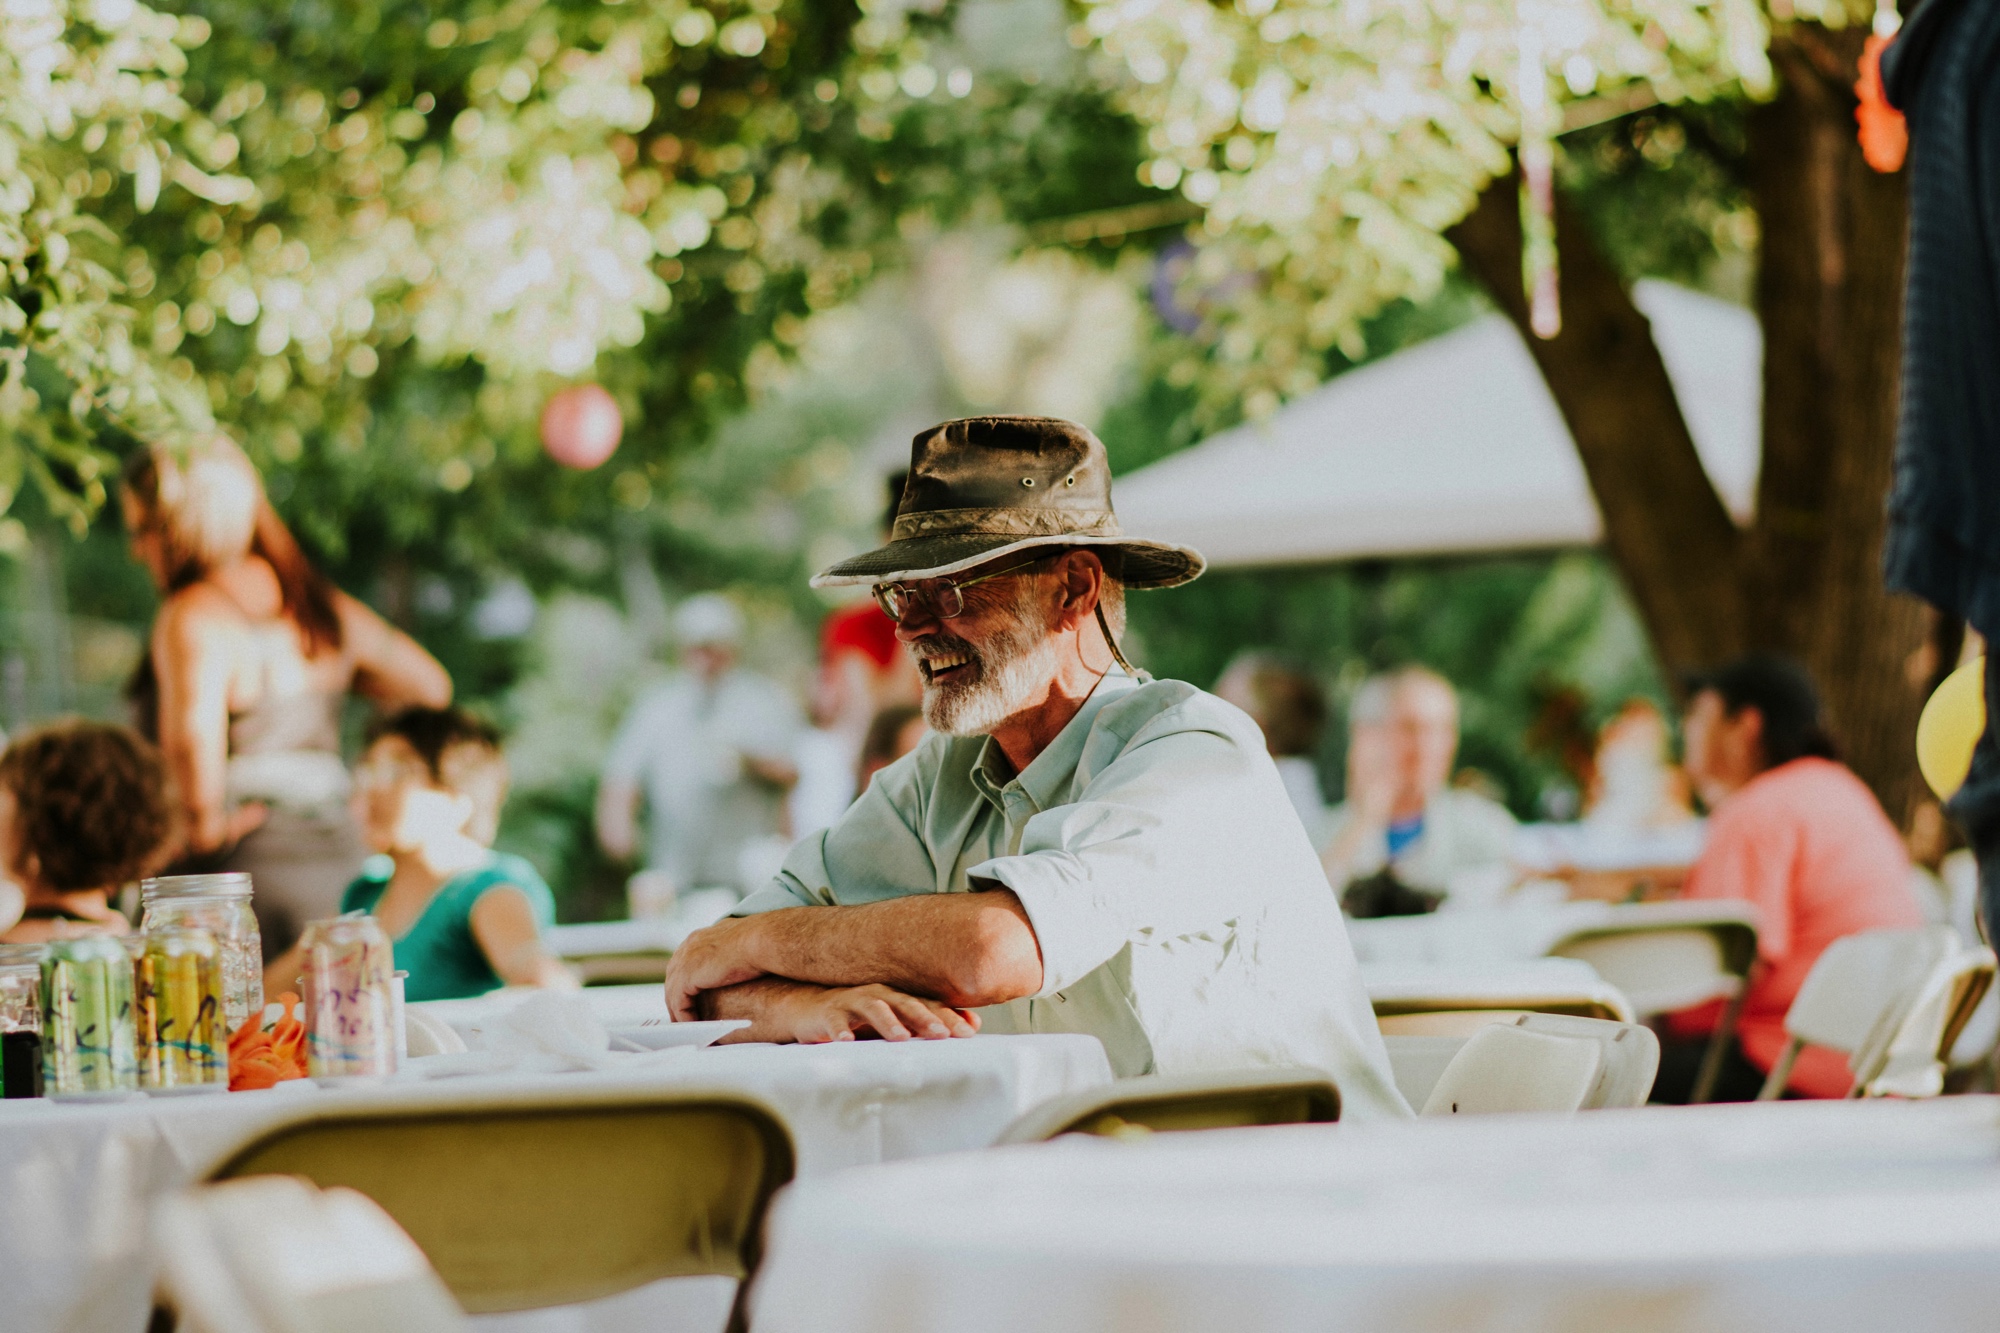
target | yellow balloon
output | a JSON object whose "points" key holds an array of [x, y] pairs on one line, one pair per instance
{"points": [[1950, 726]]}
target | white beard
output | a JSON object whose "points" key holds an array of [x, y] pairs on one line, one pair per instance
{"points": [[1011, 670]]}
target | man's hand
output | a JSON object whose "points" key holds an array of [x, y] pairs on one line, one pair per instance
{"points": [[844, 1013], [709, 960], [1371, 776]]}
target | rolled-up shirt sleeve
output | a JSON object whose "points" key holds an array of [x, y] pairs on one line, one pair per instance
{"points": [[1136, 857]]}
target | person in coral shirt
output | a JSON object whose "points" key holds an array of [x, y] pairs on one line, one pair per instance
{"points": [[1794, 832]]}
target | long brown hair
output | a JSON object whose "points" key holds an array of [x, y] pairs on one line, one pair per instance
{"points": [[208, 507]]}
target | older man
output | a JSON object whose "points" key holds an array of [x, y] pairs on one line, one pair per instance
{"points": [[1402, 819], [1075, 849]]}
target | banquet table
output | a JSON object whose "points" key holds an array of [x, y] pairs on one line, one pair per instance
{"points": [[1515, 931], [1807, 1216], [77, 1180]]}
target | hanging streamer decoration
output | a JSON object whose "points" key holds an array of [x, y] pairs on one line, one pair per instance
{"points": [[1540, 275], [1885, 137]]}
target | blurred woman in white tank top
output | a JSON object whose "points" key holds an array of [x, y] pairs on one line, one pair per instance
{"points": [[253, 655]]}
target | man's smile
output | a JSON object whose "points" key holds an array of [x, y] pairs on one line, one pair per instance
{"points": [[945, 668]]}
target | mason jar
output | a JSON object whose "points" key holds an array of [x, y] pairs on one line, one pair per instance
{"points": [[21, 1020], [219, 904]]}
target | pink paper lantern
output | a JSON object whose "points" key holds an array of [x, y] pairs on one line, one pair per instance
{"points": [[581, 426]]}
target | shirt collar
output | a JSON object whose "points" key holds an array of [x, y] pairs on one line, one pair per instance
{"points": [[1044, 777]]}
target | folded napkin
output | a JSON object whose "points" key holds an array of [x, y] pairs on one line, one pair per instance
{"points": [[548, 1032]]}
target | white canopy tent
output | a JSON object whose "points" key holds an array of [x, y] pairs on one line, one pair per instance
{"points": [[1452, 446]]}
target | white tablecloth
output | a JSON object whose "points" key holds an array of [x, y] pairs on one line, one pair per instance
{"points": [[1529, 983], [1814, 1217], [75, 1180]]}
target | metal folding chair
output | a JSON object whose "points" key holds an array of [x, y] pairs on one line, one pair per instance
{"points": [[1862, 990], [1155, 1103], [1675, 955], [525, 1200], [1504, 1068]]}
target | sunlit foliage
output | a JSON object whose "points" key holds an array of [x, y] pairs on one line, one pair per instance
{"points": [[1332, 145]]}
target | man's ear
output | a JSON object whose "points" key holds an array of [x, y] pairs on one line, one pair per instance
{"points": [[1751, 720], [1082, 584]]}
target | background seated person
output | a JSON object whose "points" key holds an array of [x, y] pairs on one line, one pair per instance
{"points": [[85, 809], [1071, 850], [1401, 814], [465, 919], [1794, 832]]}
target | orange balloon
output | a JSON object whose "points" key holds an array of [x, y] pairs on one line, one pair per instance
{"points": [[1885, 137], [581, 426]]}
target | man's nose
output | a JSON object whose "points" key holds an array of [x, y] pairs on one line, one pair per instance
{"points": [[919, 622]]}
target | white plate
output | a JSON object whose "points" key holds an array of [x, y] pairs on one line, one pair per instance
{"points": [[659, 1034]]}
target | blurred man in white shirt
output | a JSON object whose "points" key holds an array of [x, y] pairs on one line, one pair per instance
{"points": [[710, 750], [1401, 814]]}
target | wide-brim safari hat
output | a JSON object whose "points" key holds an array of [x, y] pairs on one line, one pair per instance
{"points": [[983, 487]]}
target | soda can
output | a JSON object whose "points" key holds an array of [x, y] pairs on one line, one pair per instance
{"points": [[183, 1043], [89, 1037], [350, 998]]}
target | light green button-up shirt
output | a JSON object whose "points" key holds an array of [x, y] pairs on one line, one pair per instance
{"points": [[1182, 915]]}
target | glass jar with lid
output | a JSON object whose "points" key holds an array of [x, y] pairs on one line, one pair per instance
{"points": [[219, 904], [21, 1020]]}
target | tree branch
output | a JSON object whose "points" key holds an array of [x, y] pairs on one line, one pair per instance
{"points": [[1666, 528]]}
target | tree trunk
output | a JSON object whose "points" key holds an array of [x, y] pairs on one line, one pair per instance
{"points": [[1829, 292], [1805, 577], [1667, 530]]}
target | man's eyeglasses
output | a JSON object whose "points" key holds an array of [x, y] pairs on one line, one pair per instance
{"points": [[944, 598]]}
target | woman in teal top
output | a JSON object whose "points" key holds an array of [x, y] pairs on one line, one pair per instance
{"points": [[440, 950], [465, 919]]}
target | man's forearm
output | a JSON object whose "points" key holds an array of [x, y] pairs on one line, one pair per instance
{"points": [[965, 949], [763, 1001]]}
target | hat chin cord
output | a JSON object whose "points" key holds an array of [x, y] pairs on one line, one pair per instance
{"points": [[1111, 642]]}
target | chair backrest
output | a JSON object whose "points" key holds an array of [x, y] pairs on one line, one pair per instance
{"points": [[522, 1201], [1907, 1053], [1505, 1068], [1864, 982], [275, 1255], [1665, 968], [1460, 1023], [1630, 1051], [1156, 1103], [1418, 1062]]}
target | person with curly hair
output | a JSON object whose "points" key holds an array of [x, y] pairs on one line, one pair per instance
{"points": [[85, 808]]}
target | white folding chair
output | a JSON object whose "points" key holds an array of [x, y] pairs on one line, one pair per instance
{"points": [[1417, 1062], [1630, 1051], [1907, 1053], [272, 1254], [1862, 984], [1504, 1068], [1675, 955], [1163, 1103]]}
